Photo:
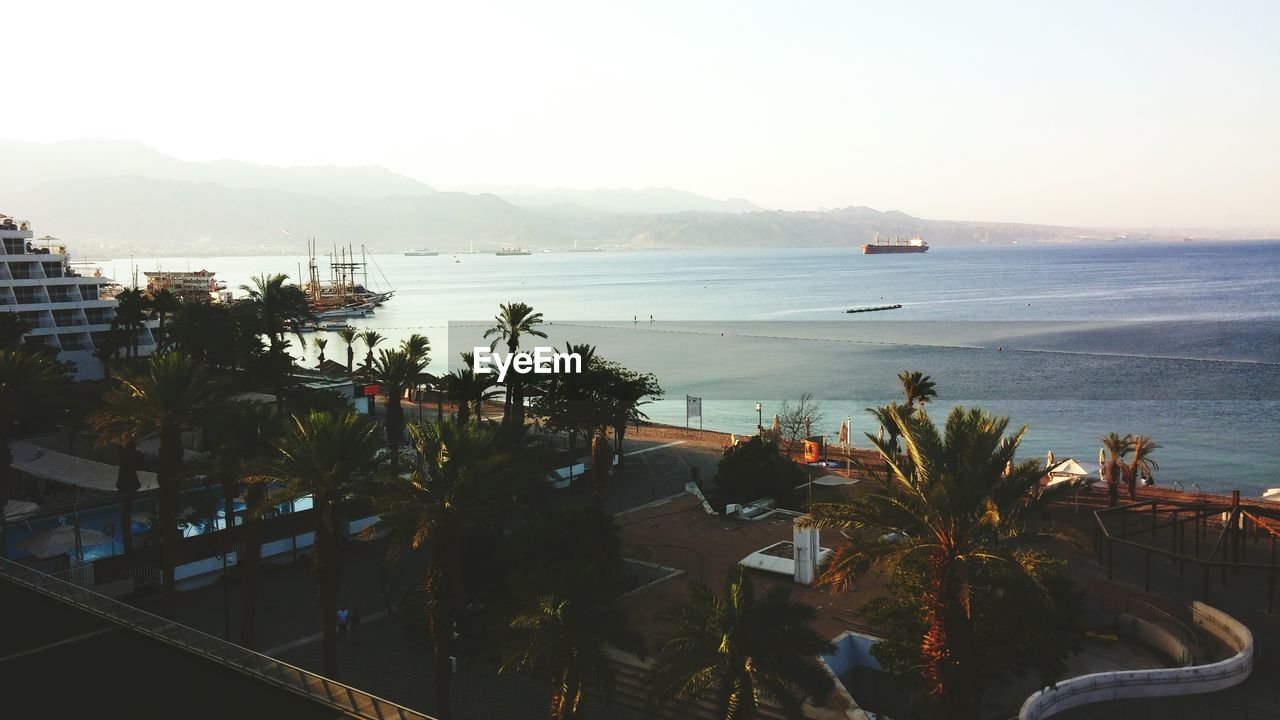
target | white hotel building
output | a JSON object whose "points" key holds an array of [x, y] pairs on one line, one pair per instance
{"points": [[62, 308]]}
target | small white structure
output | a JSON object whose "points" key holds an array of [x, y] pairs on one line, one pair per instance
{"points": [[807, 553], [798, 557], [1065, 471]]}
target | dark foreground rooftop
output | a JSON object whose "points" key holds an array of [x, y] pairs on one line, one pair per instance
{"points": [[57, 661]]}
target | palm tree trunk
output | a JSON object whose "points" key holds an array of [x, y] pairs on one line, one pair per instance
{"points": [[726, 699], [942, 645], [6, 473], [168, 477], [351, 358], [441, 624], [328, 578], [395, 418], [619, 432], [248, 565]]}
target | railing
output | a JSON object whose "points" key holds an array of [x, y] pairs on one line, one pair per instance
{"points": [[283, 675], [1131, 684]]}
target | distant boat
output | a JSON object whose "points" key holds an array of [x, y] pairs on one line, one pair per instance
{"points": [[512, 250], [575, 248], [421, 252], [882, 246]]}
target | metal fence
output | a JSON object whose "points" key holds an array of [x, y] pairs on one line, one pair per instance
{"points": [[349, 700]]}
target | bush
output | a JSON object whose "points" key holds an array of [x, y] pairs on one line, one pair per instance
{"points": [[754, 469]]}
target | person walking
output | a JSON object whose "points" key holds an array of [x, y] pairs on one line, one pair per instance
{"points": [[343, 617]]}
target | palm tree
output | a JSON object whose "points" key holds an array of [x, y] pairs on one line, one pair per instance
{"points": [[128, 462], [885, 415], [163, 304], [569, 640], [468, 390], [105, 348], [321, 344], [417, 346], [457, 479], [1142, 464], [742, 649], [348, 335], [917, 387], [329, 457], [278, 307], [27, 379], [131, 312], [394, 371], [960, 504], [371, 339], [12, 330], [513, 321], [170, 395], [1117, 447]]}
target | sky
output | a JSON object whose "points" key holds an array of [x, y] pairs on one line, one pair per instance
{"points": [[1127, 114]]}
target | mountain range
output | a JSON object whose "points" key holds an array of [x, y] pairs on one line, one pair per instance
{"points": [[115, 198]]}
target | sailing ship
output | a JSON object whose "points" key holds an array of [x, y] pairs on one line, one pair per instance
{"points": [[347, 292]]}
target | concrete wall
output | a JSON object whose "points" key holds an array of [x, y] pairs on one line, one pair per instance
{"points": [[853, 649], [1129, 684], [1154, 637]]}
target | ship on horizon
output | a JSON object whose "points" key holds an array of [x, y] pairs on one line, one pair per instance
{"points": [[513, 250], [883, 246]]}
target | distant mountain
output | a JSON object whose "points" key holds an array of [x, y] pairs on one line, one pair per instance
{"points": [[95, 158], [624, 200], [115, 198]]}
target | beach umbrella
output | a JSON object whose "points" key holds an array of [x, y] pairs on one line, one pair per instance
{"points": [[62, 540], [1048, 460], [1102, 463], [16, 509], [777, 426]]}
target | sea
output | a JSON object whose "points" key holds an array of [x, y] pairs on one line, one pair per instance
{"points": [[1179, 341]]}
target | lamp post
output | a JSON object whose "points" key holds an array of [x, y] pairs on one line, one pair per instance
{"points": [[759, 419]]}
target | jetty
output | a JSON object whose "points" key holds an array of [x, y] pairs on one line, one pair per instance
{"points": [[876, 308]]}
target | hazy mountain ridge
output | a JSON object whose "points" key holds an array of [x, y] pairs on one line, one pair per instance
{"points": [[116, 198], [40, 163], [621, 200]]}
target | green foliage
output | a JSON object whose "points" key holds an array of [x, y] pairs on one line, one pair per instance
{"points": [[1015, 627], [569, 641], [12, 330], [754, 469], [955, 520], [736, 649], [576, 555]]}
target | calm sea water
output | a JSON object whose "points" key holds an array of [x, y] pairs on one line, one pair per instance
{"points": [[1180, 342]]}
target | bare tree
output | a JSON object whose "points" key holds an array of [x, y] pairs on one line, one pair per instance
{"points": [[798, 420]]}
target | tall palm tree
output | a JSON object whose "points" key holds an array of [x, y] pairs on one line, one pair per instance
{"points": [[349, 335], [457, 480], [124, 437], [371, 340], [1142, 464], [278, 307], [960, 503], [1118, 447], [169, 395], [569, 640], [513, 321], [394, 371], [27, 379], [329, 457], [917, 387], [321, 344], [163, 304], [740, 649], [105, 348]]}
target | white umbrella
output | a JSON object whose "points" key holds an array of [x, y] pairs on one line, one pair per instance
{"points": [[1048, 460], [62, 540], [17, 509]]}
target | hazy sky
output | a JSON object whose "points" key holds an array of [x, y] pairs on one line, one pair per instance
{"points": [[1109, 113]]}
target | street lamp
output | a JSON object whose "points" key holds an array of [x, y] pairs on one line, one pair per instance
{"points": [[759, 419]]}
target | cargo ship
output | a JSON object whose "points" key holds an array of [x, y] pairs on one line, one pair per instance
{"points": [[882, 246], [513, 250]]}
